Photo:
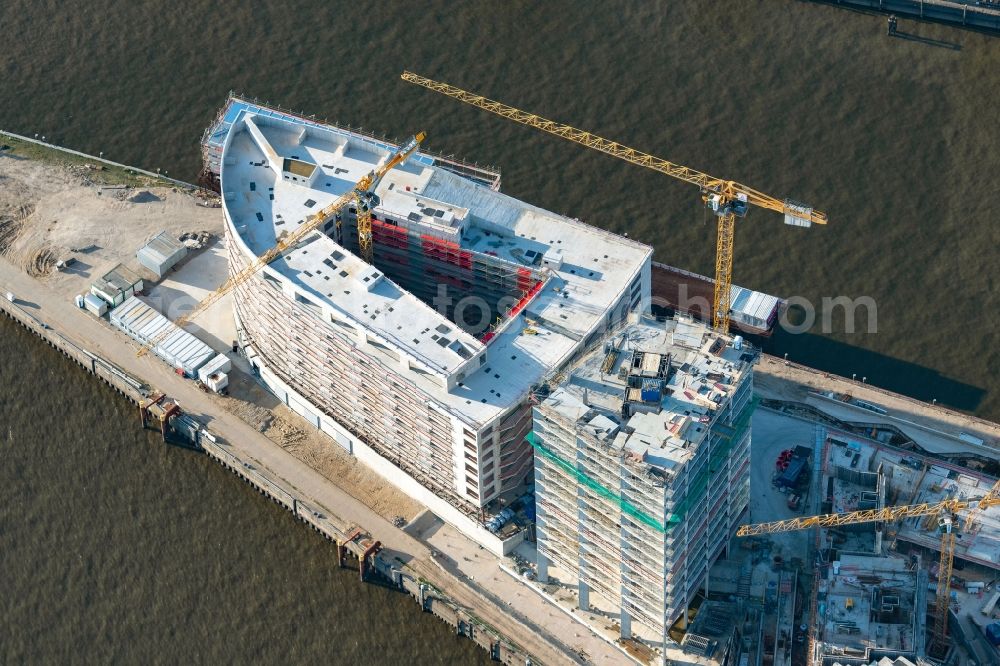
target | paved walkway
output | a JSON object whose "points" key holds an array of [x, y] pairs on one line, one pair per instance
{"points": [[773, 378], [549, 638], [468, 560]]}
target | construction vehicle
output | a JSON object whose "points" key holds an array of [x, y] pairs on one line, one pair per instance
{"points": [[783, 459], [727, 199], [946, 512], [362, 195], [792, 468]]}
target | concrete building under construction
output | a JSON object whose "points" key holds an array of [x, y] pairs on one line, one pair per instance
{"points": [[642, 475], [874, 608], [421, 363]]}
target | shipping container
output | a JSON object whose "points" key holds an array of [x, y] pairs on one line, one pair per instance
{"points": [[790, 477], [213, 374], [94, 305], [161, 253], [753, 308]]}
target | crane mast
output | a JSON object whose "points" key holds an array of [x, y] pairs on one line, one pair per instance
{"points": [[947, 512], [727, 199], [946, 561], [364, 198]]}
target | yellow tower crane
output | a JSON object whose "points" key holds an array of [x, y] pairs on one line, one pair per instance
{"points": [[946, 511], [364, 198], [726, 198]]}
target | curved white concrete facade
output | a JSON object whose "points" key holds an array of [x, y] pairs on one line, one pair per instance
{"points": [[374, 366]]}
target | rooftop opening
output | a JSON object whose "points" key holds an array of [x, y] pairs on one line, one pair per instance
{"points": [[298, 167], [471, 289]]}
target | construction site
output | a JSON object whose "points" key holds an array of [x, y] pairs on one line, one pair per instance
{"points": [[642, 473], [532, 399], [903, 547]]}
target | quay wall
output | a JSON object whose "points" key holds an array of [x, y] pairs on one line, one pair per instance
{"points": [[942, 11], [131, 388], [344, 536], [101, 160], [951, 422]]}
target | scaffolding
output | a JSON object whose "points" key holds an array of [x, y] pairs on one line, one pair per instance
{"points": [[594, 485], [729, 435], [421, 262]]}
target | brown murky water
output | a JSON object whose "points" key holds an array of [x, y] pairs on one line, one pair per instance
{"points": [[895, 138], [117, 548]]}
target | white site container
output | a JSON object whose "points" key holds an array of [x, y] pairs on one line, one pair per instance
{"points": [[213, 374], [161, 254], [174, 345], [217, 381], [94, 305]]}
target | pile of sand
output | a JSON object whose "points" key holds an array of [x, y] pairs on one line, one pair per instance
{"points": [[249, 401]]}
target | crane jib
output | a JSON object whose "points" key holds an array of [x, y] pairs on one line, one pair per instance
{"points": [[362, 191], [728, 199]]}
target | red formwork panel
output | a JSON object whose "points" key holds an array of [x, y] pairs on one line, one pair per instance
{"points": [[389, 234], [437, 243], [443, 250], [518, 307], [525, 299], [523, 279]]}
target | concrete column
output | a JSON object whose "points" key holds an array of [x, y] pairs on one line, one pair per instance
{"points": [[341, 554], [542, 564], [584, 595], [626, 623]]}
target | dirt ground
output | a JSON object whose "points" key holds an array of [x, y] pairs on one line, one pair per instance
{"points": [[49, 213], [258, 407]]}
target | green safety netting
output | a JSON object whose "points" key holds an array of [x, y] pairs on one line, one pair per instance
{"points": [[730, 434]]}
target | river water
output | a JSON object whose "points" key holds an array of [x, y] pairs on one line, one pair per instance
{"points": [[119, 548], [122, 547]]}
